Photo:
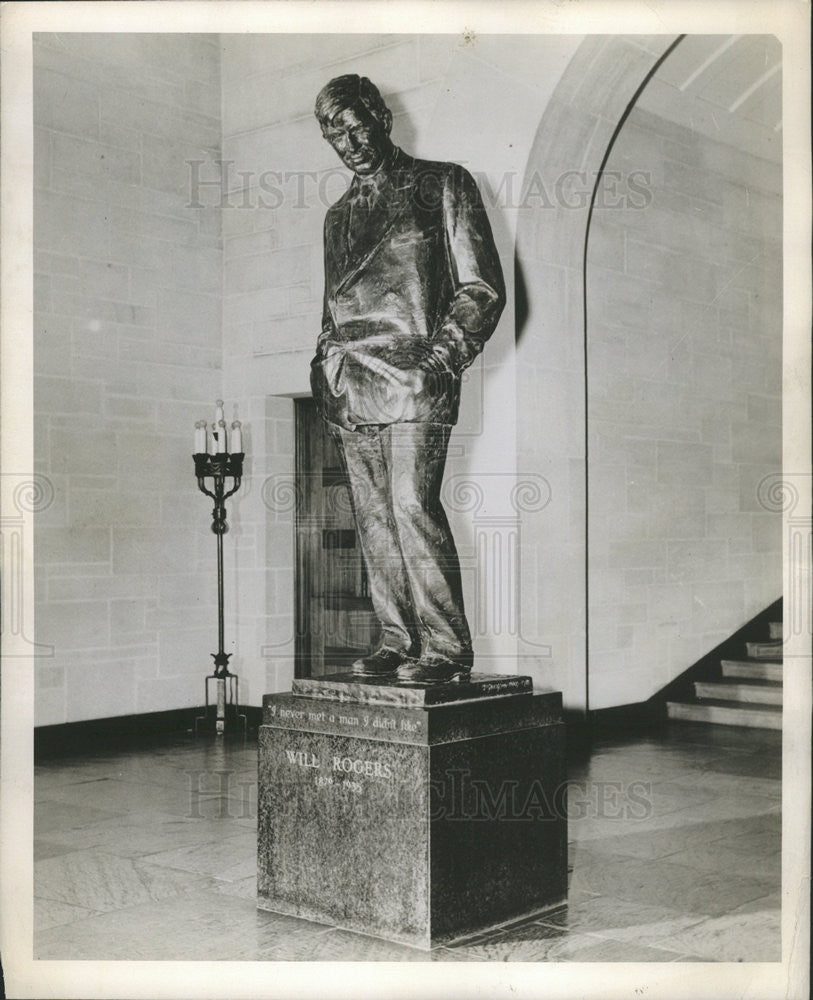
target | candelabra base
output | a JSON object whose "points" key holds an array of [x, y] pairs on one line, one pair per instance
{"points": [[224, 712]]}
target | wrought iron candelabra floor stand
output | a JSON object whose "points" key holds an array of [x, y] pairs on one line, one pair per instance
{"points": [[226, 703]]}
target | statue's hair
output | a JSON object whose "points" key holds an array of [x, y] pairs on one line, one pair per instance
{"points": [[347, 91]]}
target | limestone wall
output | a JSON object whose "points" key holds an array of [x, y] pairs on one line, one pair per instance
{"points": [[127, 355], [684, 416]]}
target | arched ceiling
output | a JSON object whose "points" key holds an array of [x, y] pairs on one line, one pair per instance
{"points": [[728, 87]]}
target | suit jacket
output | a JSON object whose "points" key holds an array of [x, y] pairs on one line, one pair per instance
{"points": [[410, 305]]}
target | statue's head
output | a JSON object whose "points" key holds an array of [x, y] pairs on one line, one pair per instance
{"points": [[355, 121]]}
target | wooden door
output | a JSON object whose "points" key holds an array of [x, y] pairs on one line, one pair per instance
{"points": [[334, 614]]}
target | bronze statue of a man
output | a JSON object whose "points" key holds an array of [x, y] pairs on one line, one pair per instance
{"points": [[413, 289]]}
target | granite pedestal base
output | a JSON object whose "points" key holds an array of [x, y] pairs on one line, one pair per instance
{"points": [[397, 811]]}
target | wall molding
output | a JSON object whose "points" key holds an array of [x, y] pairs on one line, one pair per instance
{"points": [[122, 732]]}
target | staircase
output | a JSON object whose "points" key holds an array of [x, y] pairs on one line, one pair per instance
{"points": [[746, 692]]}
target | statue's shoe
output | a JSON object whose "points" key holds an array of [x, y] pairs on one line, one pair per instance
{"points": [[433, 670], [382, 663]]}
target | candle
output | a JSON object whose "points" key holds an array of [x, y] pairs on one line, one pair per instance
{"points": [[200, 437], [221, 437], [213, 440], [236, 437], [218, 410]]}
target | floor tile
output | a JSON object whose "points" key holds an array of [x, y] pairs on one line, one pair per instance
{"points": [[50, 849], [662, 883], [744, 937], [694, 959], [137, 768], [753, 741], [721, 857], [346, 946], [196, 926], [652, 844], [129, 836], [720, 817], [578, 949], [229, 858], [100, 881], [52, 913], [772, 903], [735, 784], [53, 817], [622, 920], [529, 943], [539, 943], [120, 796], [245, 887], [755, 838], [730, 807]]}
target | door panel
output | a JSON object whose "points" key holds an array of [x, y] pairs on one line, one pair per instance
{"points": [[335, 618]]}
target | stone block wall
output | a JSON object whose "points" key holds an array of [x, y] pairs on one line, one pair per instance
{"points": [[684, 413], [127, 355], [663, 398], [574, 132]]}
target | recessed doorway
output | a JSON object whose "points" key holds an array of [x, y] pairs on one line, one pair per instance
{"points": [[335, 622]]}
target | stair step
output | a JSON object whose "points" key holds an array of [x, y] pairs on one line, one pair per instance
{"points": [[766, 693], [727, 713], [775, 630], [764, 670], [763, 650]]}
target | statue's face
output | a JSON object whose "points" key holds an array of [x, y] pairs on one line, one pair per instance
{"points": [[361, 140]]}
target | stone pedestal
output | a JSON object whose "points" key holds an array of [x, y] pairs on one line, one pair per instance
{"points": [[415, 814]]}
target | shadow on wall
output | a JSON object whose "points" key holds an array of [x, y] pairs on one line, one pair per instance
{"points": [[573, 133], [521, 305]]}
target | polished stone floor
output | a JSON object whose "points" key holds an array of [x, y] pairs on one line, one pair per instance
{"points": [[149, 853]]}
